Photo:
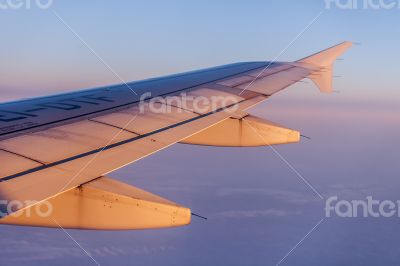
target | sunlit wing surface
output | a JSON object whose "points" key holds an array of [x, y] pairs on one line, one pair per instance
{"points": [[59, 148]]}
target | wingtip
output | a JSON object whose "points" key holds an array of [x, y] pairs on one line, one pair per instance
{"points": [[325, 59], [328, 56], [348, 43]]}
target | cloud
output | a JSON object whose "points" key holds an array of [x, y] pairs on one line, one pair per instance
{"points": [[282, 195], [29, 250], [242, 214]]}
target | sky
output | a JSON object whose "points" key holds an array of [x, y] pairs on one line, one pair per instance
{"points": [[260, 212]]}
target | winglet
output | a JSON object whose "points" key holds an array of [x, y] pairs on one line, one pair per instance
{"points": [[324, 61]]}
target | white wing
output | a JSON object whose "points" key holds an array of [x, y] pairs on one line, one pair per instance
{"points": [[52, 148]]}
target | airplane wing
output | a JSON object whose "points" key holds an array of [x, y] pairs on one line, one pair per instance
{"points": [[56, 151]]}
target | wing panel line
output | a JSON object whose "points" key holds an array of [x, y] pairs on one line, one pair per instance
{"points": [[23, 156], [106, 124]]}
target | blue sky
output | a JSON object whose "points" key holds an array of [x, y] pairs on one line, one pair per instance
{"points": [[140, 39], [258, 208]]}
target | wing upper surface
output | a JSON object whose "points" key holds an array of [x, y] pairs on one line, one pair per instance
{"points": [[54, 144]]}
